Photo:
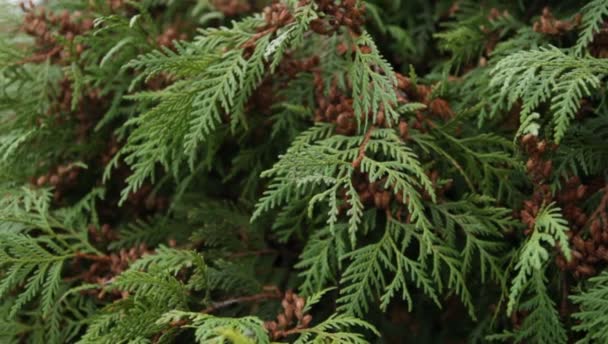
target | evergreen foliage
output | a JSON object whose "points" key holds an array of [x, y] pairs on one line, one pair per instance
{"points": [[312, 171]]}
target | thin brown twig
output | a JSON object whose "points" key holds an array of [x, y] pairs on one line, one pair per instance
{"points": [[93, 257], [253, 40], [78, 277], [292, 331], [275, 294], [41, 56], [253, 253], [601, 207], [564, 302], [389, 215], [368, 136]]}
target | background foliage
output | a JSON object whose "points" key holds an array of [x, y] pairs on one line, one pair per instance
{"points": [[312, 171]]}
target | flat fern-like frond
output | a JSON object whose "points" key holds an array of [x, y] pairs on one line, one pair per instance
{"points": [[320, 258], [549, 229], [38, 264], [593, 303], [211, 329], [184, 62], [548, 75], [334, 330], [373, 82], [161, 286], [326, 167], [594, 13], [542, 324], [363, 279]]}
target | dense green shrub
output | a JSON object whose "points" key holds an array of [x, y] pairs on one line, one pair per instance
{"points": [[310, 171]]}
